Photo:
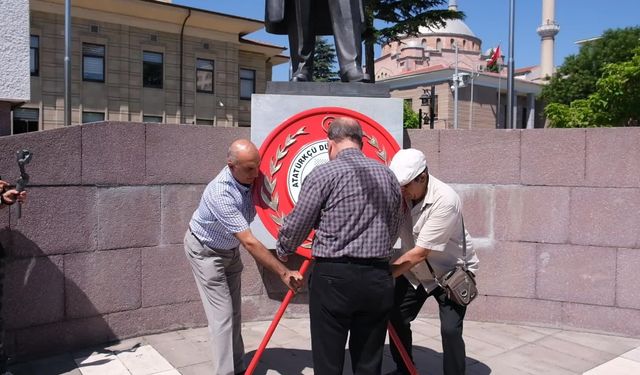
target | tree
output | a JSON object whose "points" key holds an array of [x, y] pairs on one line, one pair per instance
{"points": [[616, 101], [577, 77], [403, 18], [410, 119], [324, 60]]}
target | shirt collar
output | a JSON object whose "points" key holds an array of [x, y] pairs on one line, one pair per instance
{"points": [[348, 152], [243, 189], [430, 197]]}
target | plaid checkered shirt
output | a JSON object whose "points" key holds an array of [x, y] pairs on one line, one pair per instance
{"points": [[353, 202], [226, 207]]}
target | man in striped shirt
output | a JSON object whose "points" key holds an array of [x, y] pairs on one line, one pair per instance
{"points": [[218, 226], [353, 203]]}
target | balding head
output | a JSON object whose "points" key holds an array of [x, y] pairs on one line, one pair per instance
{"points": [[345, 128], [344, 132], [243, 160]]}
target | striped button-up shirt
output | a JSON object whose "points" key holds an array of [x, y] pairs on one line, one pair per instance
{"points": [[226, 207], [353, 203]]}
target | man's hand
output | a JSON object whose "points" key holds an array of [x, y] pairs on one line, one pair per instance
{"points": [[292, 279], [10, 196]]}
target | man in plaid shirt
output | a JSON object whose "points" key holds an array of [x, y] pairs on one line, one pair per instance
{"points": [[353, 203], [218, 226]]}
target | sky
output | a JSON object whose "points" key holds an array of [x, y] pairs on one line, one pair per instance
{"points": [[489, 20]]}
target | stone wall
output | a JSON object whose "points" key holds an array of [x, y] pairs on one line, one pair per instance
{"points": [[97, 254]]}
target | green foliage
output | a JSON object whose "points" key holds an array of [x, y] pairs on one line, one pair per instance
{"points": [[401, 18], [324, 60], [578, 75], [410, 119], [616, 101]]}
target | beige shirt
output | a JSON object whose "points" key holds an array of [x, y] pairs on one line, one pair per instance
{"points": [[435, 223]]}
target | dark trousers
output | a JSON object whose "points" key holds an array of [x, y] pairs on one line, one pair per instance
{"points": [[408, 302], [347, 30], [349, 299]]}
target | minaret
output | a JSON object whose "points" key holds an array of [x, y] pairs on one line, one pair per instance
{"points": [[547, 32], [453, 5]]}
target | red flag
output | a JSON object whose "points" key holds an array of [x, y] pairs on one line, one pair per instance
{"points": [[494, 57]]}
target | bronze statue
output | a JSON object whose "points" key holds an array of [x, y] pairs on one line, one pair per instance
{"points": [[303, 20]]}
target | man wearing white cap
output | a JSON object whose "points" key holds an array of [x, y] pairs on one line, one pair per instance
{"points": [[432, 232]]}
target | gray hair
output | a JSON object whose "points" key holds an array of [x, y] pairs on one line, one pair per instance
{"points": [[345, 127]]}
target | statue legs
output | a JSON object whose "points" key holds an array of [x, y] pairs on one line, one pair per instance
{"points": [[346, 20], [302, 40]]}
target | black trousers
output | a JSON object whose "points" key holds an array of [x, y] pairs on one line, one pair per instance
{"points": [[349, 299], [408, 302]]}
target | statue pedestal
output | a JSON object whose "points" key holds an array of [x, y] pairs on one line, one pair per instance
{"points": [[284, 100]]}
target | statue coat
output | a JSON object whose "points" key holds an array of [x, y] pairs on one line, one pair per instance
{"points": [[276, 16]]}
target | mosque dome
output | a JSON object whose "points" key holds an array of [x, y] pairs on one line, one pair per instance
{"points": [[457, 27]]}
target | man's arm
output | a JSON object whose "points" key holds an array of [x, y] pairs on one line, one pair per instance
{"points": [[409, 259], [292, 279], [305, 214]]}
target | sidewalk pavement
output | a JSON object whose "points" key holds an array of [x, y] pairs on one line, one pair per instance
{"points": [[492, 348]]}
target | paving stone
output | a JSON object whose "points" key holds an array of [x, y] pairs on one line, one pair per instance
{"points": [[59, 365], [633, 355], [101, 364], [610, 344], [144, 360], [535, 359], [181, 353], [589, 357], [205, 368], [616, 366], [498, 336]]}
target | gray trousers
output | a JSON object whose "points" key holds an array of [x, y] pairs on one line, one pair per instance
{"points": [[217, 274]]}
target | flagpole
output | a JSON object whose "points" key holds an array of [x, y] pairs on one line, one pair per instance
{"points": [[499, 109], [67, 62], [510, 82]]}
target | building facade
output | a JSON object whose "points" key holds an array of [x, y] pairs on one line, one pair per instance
{"points": [[420, 69], [14, 59], [143, 61]]}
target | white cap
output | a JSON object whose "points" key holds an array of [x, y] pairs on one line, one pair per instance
{"points": [[408, 164]]}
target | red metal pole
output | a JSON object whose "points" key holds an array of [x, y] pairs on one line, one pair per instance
{"points": [[274, 323], [403, 352]]}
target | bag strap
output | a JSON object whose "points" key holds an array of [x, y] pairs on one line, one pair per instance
{"points": [[464, 254]]}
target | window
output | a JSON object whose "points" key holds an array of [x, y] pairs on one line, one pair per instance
{"points": [[204, 75], [524, 118], [25, 120], [438, 44], [247, 83], [92, 62], [150, 118], [152, 69], [92, 117], [35, 55], [202, 121]]}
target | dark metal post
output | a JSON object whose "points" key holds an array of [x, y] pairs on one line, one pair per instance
{"points": [[431, 108], [510, 82], [67, 62]]}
